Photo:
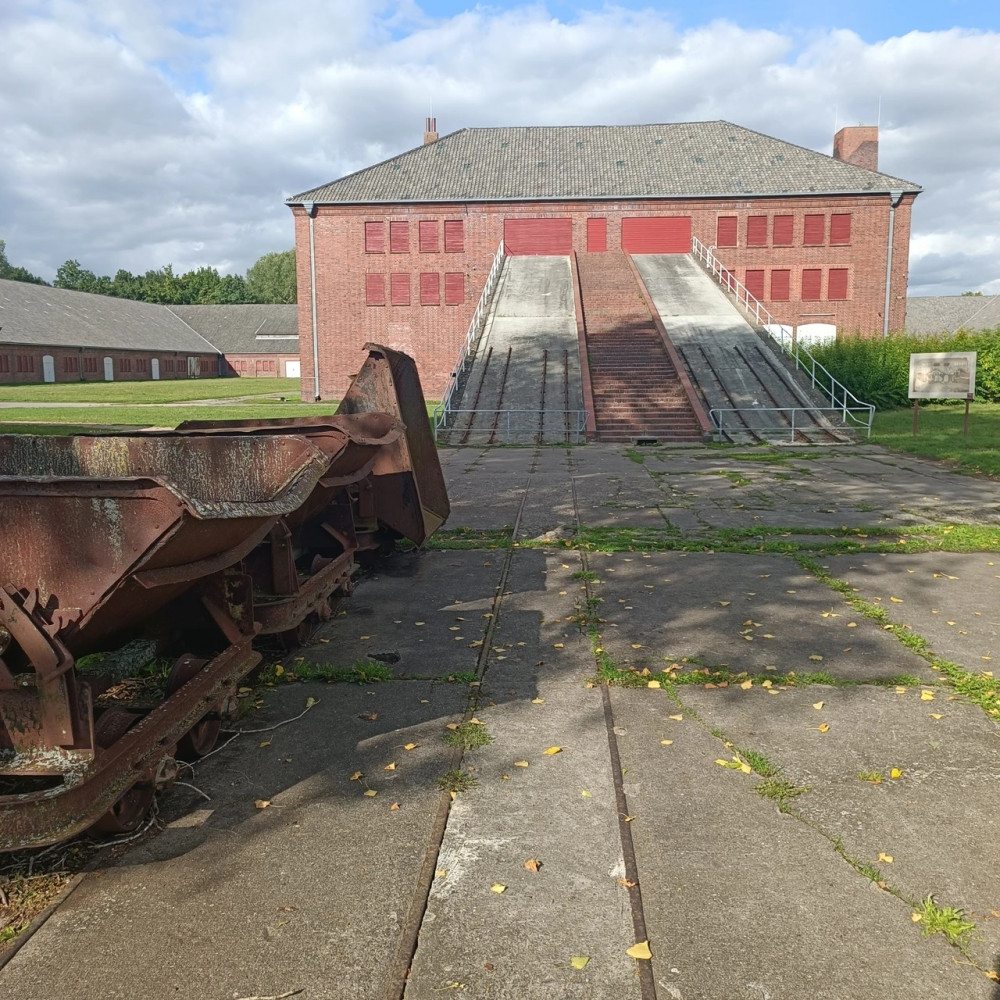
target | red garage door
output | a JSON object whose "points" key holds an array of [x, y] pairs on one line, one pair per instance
{"points": [[524, 237], [659, 234]]}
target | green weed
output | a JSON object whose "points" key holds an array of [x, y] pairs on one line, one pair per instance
{"points": [[468, 736], [946, 920], [456, 781]]}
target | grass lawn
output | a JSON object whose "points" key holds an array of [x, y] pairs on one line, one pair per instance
{"points": [[939, 434], [163, 391]]}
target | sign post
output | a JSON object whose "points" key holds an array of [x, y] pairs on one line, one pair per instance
{"points": [[950, 375]]}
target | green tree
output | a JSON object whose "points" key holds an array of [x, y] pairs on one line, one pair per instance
{"points": [[79, 279], [11, 273], [272, 278]]}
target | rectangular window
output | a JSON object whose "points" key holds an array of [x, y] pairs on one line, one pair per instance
{"points": [[780, 281], [374, 237], [430, 289], [754, 282], [836, 283], [782, 230], [90, 364], [4, 363], [597, 235], [812, 284], [374, 289], [140, 364], [125, 364], [167, 364], [454, 289], [726, 231], [454, 236], [399, 289], [25, 362], [840, 229], [71, 363], [399, 237], [427, 236], [815, 231], [757, 231]]}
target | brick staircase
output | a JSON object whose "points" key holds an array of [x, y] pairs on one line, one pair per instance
{"points": [[637, 393]]}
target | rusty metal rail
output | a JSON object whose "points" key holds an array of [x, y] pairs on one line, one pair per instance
{"points": [[192, 542]]}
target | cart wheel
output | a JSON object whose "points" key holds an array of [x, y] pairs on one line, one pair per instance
{"points": [[200, 739], [131, 809]]}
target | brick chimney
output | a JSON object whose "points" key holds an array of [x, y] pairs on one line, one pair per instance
{"points": [[857, 144], [430, 130]]}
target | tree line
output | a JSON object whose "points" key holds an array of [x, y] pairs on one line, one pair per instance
{"points": [[270, 279]]}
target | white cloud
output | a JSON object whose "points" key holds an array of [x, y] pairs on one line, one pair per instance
{"points": [[138, 133]]}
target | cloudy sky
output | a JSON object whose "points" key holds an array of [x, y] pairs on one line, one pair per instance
{"points": [[136, 133]]}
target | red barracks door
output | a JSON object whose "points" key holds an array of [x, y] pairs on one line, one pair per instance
{"points": [[533, 237], [657, 234]]}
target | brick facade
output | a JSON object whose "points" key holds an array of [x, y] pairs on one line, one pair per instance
{"points": [[348, 275], [22, 364]]}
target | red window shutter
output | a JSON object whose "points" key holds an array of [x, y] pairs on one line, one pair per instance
{"points": [[374, 289], [757, 231], [399, 237], [783, 230], [815, 230], [430, 289], [780, 281], [754, 282], [528, 237], [399, 289], [4, 362], [597, 235], [840, 229], [428, 235], [454, 289], [726, 234], [454, 236], [812, 283], [836, 284], [374, 237], [656, 234]]}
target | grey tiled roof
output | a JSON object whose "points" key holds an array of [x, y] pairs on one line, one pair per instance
{"points": [[699, 159], [926, 314], [57, 317], [245, 329]]}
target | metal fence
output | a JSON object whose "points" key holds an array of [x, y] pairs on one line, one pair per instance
{"points": [[800, 419], [513, 426]]}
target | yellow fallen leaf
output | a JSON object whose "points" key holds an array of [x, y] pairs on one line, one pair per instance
{"points": [[926, 695], [936, 715], [885, 858], [746, 768], [916, 917], [818, 705], [505, 777], [410, 746], [278, 670], [585, 794], [824, 727], [557, 645], [537, 701], [637, 645], [371, 793], [476, 722], [579, 961], [551, 751], [441, 873], [451, 725], [766, 683], [896, 600], [262, 803], [666, 743], [895, 773], [816, 657], [652, 684], [394, 807], [725, 604], [420, 623], [311, 701], [355, 776], [266, 743], [390, 767], [520, 763], [676, 718], [639, 950], [498, 887], [532, 864], [992, 974], [746, 685]]}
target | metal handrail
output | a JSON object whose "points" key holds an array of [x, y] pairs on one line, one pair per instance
{"points": [[802, 356], [472, 334], [717, 417], [577, 430]]}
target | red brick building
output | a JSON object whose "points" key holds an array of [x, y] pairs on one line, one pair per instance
{"points": [[401, 250]]}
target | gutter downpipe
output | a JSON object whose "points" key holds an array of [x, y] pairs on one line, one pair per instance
{"points": [[895, 197], [310, 209]]}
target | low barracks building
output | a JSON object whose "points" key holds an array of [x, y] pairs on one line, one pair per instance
{"points": [[400, 251]]}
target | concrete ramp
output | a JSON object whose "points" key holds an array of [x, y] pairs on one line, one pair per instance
{"points": [[524, 385], [729, 363]]}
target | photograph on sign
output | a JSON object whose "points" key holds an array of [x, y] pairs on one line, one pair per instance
{"points": [[950, 375]]}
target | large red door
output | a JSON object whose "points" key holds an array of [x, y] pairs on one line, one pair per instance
{"points": [[657, 234], [526, 237]]}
